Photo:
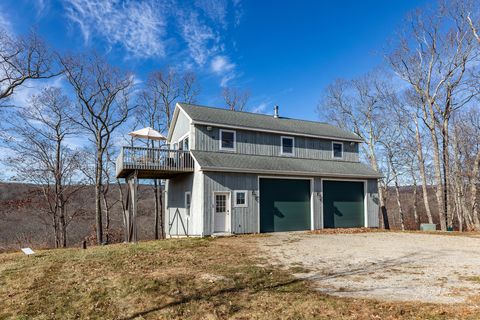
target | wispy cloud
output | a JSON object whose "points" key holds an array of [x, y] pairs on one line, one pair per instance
{"points": [[237, 12], [162, 29], [222, 67], [216, 10], [137, 26], [200, 38], [41, 7], [23, 94]]}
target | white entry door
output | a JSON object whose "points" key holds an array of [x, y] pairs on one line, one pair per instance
{"points": [[221, 215]]}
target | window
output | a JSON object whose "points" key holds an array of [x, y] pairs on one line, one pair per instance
{"points": [[188, 201], [241, 198], [185, 144], [337, 150], [288, 145], [227, 140]]}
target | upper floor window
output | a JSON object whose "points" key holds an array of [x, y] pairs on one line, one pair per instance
{"points": [[337, 150], [288, 145], [186, 144], [227, 140]]}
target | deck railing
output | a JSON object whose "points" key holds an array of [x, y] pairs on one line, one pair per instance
{"points": [[140, 158]]}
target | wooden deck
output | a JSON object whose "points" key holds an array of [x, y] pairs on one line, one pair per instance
{"points": [[153, 163]]}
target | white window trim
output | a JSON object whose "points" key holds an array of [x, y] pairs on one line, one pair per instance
{"points": [[245, 205], [234, 140], [333, 152], [186, 208], [281, 146]]}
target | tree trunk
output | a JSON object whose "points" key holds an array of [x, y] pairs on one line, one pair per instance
{"points": [[397, 189], [438, 177], [423, 176], [63, 226], [381, 190], [155, 190], [474, 191], [98, 195], [415, 201], [445, 155], [383, 208], [107, 217]]}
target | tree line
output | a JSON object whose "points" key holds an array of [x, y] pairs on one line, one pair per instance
{"points": [[45, 135], [418, 115]]}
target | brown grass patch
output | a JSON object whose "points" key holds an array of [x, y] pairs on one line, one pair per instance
{"points": [[179, 279]]}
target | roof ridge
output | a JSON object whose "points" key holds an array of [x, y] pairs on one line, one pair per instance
{"points": [[253, 113]]}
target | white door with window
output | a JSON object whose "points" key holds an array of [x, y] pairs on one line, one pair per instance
{"points": [[221, 215]]}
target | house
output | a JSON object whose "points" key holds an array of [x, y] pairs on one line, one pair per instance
{"points": [[239, 172]]}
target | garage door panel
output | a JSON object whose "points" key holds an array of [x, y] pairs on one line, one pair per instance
{"points": [[284, 205], [343, 204]]}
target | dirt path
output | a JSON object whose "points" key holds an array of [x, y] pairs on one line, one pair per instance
{"points": [[386, 266]]}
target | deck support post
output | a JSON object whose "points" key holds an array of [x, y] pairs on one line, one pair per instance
{"points": [[131, 218]]}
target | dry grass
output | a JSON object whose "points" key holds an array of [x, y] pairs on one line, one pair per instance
{"points": [[183, 279]]}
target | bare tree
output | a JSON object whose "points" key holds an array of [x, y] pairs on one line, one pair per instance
{"points": [[432, 57], [411, 111], [43, 157], [235, 99], [23, 59], [103, 105], [156, 103], [360, 105]]}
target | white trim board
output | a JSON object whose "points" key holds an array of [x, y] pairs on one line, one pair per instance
{"points": [[287, 173]]}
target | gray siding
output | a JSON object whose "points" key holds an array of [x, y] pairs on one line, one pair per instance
{"points": [[262, 143], [244, 220], [372, 203], [176, 189], [182, 127]]}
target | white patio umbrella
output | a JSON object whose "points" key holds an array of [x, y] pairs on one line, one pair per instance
{"points": [[148, 133]]}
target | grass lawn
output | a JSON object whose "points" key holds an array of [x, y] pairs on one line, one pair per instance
{"points": [[184, 279]]}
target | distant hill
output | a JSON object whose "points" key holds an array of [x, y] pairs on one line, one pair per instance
{"points": [[24, 223]]}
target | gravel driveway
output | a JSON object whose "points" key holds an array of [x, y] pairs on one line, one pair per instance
{"points": [[382, 265]]}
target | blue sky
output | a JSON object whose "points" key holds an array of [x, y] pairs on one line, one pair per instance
{"points": [[283, 52]]}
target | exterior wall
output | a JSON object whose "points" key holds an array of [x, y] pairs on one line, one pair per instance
{"points": [[268, 144], [175, 199], [182, 127], [243, 220]]}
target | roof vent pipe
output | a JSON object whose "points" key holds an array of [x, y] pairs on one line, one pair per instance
{"points": [[275, 112]]}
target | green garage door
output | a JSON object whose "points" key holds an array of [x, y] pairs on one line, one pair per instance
{"points": [[343, 204], [284, 205]]}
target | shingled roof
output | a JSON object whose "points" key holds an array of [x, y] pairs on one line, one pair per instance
{"points": [[261, 122], [234, 162]]}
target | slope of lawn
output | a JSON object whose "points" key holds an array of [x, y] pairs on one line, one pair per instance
{"points": [[183, 279]]}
